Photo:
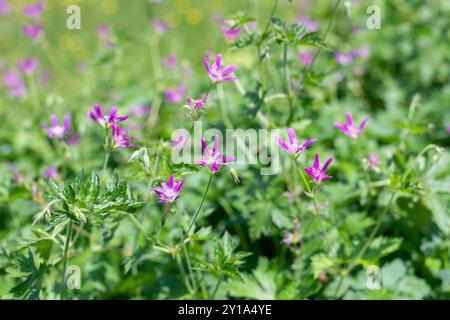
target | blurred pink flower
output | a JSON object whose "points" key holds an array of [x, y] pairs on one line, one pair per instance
{"points": [[140, 111], [310, 25], [4, 7], [14, 83], [343, 58], [33, 10], [230, 33], [56, 130], [50, 173], [179, 143], [170, 62], [159, 26], [306, 58], [349, 128], [175, 95], [33, 31], [293, 147], [119, 138], [373, 160], [28, 65], [215, 71]]}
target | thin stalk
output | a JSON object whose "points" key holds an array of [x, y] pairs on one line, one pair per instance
{"points": [[223, 108], [200, 206], [287, 88], [66, 259], [217, 286], [107, 147], [183, 273]]}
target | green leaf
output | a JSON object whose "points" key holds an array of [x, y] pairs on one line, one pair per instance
{"points": [[321, 263]]}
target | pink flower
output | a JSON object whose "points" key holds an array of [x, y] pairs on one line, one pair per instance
{"points": [[104, 33], [119, 138], [179, 143], [140, 111], [14, 83], [306, 58], [317, 174], [175, 95], [343, 58], [28, 66], [215, 72], [293, 238], [33, 10], [231, 33], [160, 27], [310, 25], [212, 158], [170, 62], [4, 7], [361, 52], [293, 147], [169, 192], [448, 129], [195, 104], [50, 173], [373, 160], [33, 31], [349, 128], [106, 121], [56, 130]]}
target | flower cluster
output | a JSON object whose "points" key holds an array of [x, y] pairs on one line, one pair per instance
{"points": [[33, 11]]}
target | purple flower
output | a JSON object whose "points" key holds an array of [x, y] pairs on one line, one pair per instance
{"points": [[175, 95], [349, 128], [170, 191], [230, 33], [212, 158], [195, 104], [316, 173], [160, 27], [306, 58], [310, 25], [343, 58], [170, 62], [4, 7], [33, 31], [215, 72], [140, 111], [56, 130], [50, 173], [179, 143], [106, 121], [361, 52], [73, 140], [14, 83], [33, 10], [28, 66], [119, 138], [104, 34], [373, 160], [293, 147], [292, 238], [448, 129]]}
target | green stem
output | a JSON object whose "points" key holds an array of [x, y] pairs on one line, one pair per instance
{"points": [[287, 88], [223, 108], [183, 273], [200, 207], [66, 259], [107, 147], [217, 286]]}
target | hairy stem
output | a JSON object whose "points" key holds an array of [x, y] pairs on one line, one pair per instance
{"points": [[65, 259]]}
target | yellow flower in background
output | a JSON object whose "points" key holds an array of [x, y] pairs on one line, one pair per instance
{"points": [[109, 7], [194, 16]]}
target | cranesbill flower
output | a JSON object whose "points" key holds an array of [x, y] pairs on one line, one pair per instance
{"points": [[106, 121], [175, 95], [306, 58], [140, 111], [33, 10], [170, 191], [170, 62], [317, 174], [373, 160], [14, 83], [28, 65], [349, 128], [361, 52], [4, 7], [215, 72], [230, 33], [50, 173], [33, 31], [293, 147], [119, 138], [343, 58], [179, 142], [310, 25], [292, 238], [212, 158], [195, 104], [160, 27], [56, 130]]}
